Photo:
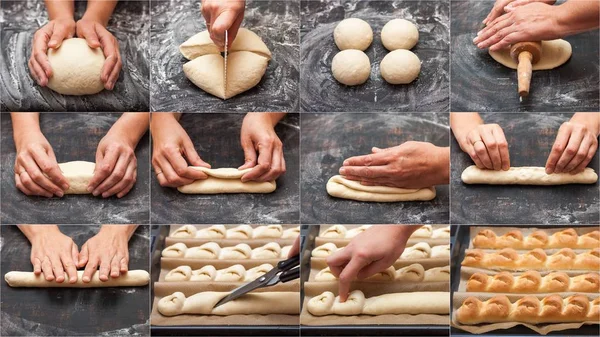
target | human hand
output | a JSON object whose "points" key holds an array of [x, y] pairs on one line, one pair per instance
{"points": [[487, 146], [410, 165], [501, 6], [295, 250], [263, 150], [223, 16], [172, 150], [573, 149], [96, 35], [50, 35], [52, 252], [108, 250]]}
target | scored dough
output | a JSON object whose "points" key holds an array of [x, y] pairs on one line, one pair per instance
{"points": [[133, 278], [201, 44], [76, 68], [554, 54], [78, 175], [226, 180], [400, 66], [526, 175], [353, 33], [340, 187], [351, 67], [399, 34]]}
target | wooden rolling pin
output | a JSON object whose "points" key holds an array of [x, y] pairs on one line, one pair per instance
{"points": [[526, 54]]}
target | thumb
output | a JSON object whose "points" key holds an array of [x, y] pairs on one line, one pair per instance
{"points": [[90, 36], [192, 156], [249, 155]]}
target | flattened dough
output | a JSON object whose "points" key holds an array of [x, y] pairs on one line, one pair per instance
{"points": [[554, 54], [133, 278], [526, 175], [226, 180], [78, 175], [264, 303], [340, 187]]}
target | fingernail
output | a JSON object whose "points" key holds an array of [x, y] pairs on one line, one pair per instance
{"points": [[86, 279], [95, 193], [65, 186], [105, 195], [548, 171], [59, 194], [90, 189], [342, 171], [52, 42], [346, 163]]}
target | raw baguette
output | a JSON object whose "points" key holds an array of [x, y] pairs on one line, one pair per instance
{"points": [[536, 259], [235, 273], [532, 282], [568, 238], [526, 176], [239, 232], [413, 273], [529, 309], [421, 250], [212, 250]]}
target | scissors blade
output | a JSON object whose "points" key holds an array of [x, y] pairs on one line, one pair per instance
{"points": [[225, 68], [248, 287]]}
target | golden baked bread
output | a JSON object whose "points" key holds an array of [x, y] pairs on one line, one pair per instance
{"points": [[568, 238], [532, 282], [535, 259]]}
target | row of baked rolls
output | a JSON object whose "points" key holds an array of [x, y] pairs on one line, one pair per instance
{"points": [[533, 282], [425, 231], [413, 273], [241, 232], [529, 309], [421, 250], [536, 259], [235, 273], [568, 238], [431, 302], [212, 250]]}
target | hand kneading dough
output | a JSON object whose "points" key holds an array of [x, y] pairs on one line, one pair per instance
{"points": [[389, 304], [340, 187], [226, 180], [78, 175], [353, 33], [554, 54], [400, 66], [526, 176], [76, 68], [399, 34], [351, 67], [265, 303], [132, 278]]}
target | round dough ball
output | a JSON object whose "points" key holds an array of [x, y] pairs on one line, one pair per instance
{"points": [[353, 34], [399, 34], [351, 67], [400, 67], [76, 68]]}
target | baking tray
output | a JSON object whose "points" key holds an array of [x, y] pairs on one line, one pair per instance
{"points": [[311, 232], [460, 242], [157, 239]]}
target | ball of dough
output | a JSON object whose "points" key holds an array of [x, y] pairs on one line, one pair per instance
{"points": [[353, 33], [351, 67], [399, 34], [400, 66], [76, 68]]}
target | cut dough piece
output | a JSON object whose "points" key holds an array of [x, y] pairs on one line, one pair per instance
{"points": [[340, 187], [285, 251], [209, 250], [176, 250], [335, 231], [351, 67], [256, 272], [324, 250], [400, 66], [76, 68], [133, 278], [291, 233], [271, 250], [554, 54], [399, 34], [440, 252], [423, 232], [267, 231], [185, 231], [238, 252], [206, 72], [206, 273], [252, 303], [201, 44], [413, 273], [212, 232], [353, 33], [526, 175], [225, 180], [431, 302], [181, 273], [240, 232], [78, 175], [355, 231], [441, 233], [439, 274], [421, 250]]}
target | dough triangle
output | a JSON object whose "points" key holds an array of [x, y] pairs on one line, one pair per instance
{"points": [[206, 72]]}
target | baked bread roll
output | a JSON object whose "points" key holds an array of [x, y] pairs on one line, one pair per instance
{"points": [[441, 233], [424, 231], [568, 238], [212, 251], [267, 231], [536, 259], [529, 309], [241, 232], [291, 233], [393, 304], [532, 282]]}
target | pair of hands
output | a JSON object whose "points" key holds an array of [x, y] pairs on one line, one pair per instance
{"points": [[56, 31], [173, 150], [57, 257], [223, 16]]}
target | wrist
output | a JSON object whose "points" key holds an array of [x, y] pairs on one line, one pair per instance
{"points": [[120, 132], [33, 232], [22, 138], [442, 165]]}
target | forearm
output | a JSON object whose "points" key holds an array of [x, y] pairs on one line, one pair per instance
{"points": [[462, 123], [132, 125], [100, 10], [273, 117], [576, 16], [159, 119], [31, 231], [443, 165], [60, 9], [24, 122], [126, 230], [589, 119]]}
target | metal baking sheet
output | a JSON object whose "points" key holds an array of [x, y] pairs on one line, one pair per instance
{"points": [[320, 92]]}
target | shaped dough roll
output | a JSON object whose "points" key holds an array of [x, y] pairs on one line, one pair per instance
{"points": [[181, 273], [568, 238], [268, 231], [438, 274], [176, 250], [285, 251], [203, 303], [388, 274], [212, 250], [439, 252], [133, 278], [291, 233], [186, 231], [324, 250], [441, 233], [224, 180], [271, 250], [212, 232], [340, 187], [421, 250], [536, 259], [351, 233], [256, 272], [526, 176], [533, 282], [424, 231], [209, 250], [325, 275], [413, 273], [242, 232], [334, 232], [238, 252]]}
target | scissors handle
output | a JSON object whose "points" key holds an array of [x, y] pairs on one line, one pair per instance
{"points": [[289, 263], [290, 275]]}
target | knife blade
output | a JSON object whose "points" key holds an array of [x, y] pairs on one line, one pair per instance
{"points": [[225, 68]]}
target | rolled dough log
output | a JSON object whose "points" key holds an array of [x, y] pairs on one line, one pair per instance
{"points": [[78, 175], [226, 180], [554, 53], [526, 175], [265, 303], [133, 278], [340, 187], [431, 302]]}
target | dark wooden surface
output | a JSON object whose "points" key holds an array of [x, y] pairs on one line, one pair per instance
{"points": [[216, 138], [276, 22], [530, 138], [19, 91], [73, 136], [122, 311], [329, 139], [479, 83], [320, 92]]}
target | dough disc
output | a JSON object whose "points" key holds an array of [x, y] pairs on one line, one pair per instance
{"points": [[340, 187], [554, 54]]}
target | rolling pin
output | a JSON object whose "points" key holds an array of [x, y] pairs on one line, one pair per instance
{"points": [[526, 54]]}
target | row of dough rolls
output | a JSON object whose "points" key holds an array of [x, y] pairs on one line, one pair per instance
{"points": [[567, 238], [421, 250], [241, 232], [412, 273], [213, 251], [344, 232], [535, 259]]}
